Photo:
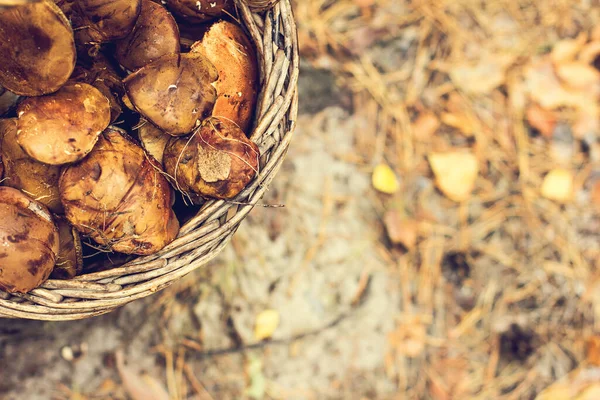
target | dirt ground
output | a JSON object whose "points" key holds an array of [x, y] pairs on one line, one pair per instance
{"points": [[482, 288]]}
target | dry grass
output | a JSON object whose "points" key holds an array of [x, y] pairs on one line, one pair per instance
{"points": [[499, 295]]}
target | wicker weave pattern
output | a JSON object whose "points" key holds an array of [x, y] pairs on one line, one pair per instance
{"points": [[204, 236]]}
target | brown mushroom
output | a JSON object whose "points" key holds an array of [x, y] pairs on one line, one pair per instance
{"points": [[226, 45], [103, 76], [62, 127], [217, 160], [28, 242], [154, 35], [119, 197], [174, 92], [37, 48]]}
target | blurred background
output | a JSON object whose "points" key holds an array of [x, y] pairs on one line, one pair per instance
{"points": [[440, 235]]}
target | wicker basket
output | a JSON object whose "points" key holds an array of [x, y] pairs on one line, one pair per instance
{"points": [[208, 232]]}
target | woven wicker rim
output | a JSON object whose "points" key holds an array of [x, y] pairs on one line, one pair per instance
{"points": [[203, 237]]}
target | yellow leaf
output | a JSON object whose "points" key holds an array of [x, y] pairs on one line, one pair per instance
{"points": [[558, 391], [385, 180], [455, 173], [577, 74], [558, 185], [567, 49], [592, 392], [266, 323]]}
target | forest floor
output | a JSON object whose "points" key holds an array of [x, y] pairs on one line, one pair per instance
{"points": [[476, 276]]}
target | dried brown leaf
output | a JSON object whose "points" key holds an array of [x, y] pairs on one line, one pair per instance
{"points": [[140, 387], [541, 119], [426, 125], [401, 230]]}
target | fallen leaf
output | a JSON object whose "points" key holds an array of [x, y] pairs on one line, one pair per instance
{"points": [[558, 185], [425, 125], [567, 49], [384, 179], [266, 324], [591, 392], [578, 74], [579, 384], [455, 173], [557, 391], [544, 87], [460, 122], [401, 230], [457, 116], [139, 387], [593, 351], [541, 119], [483, 76]]}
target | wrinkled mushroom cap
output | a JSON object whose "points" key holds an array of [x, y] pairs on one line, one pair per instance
{"points": [[216, 161], [62, 127], [104, 21], [154, 35], [174, 92], [119, 197]]}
